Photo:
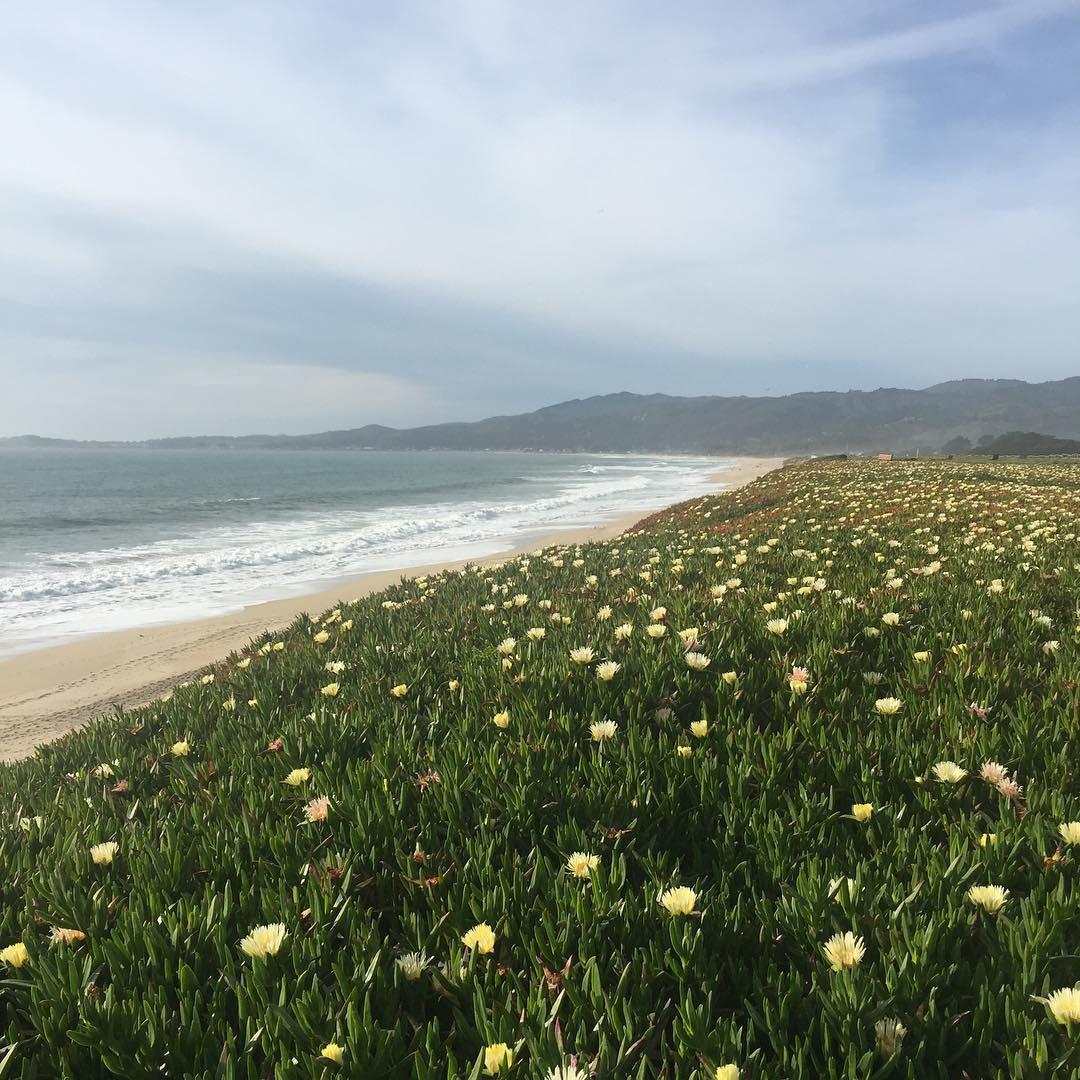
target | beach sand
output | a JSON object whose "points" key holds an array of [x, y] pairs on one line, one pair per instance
{"points": [[46, 693]]}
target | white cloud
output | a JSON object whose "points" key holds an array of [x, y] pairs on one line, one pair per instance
{"points": [[753, 197]]}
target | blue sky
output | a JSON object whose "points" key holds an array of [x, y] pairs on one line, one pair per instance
{"points": [[228, 217]]}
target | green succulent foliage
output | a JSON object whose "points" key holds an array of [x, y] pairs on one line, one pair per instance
{"points": [[438, 820]]}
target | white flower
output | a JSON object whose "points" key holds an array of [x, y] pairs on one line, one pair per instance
{"points": [[889, 1034], [990, 898], [567, 1072], [412, 965], [583, 655], [888, 706], [603, 730], [264, 940], [948, 772], [697, 661], [679, 901], [607, 671], [844, 951], [1065, 1005], [581, 864], [103, 854]]}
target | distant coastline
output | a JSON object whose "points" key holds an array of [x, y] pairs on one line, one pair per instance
{"points": [[887, 419]]}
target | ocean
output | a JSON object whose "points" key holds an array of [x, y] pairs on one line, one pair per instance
{"points": [[92, 541]]}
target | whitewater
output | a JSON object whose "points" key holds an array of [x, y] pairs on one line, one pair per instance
{"points": [[92, 541]]}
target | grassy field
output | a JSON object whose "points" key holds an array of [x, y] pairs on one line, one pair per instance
{"points": [[778, 785]]}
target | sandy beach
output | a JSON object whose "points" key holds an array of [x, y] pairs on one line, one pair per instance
{"points": [[46, 693]]}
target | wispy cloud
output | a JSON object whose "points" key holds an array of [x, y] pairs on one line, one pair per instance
{"points": [[484, 206]]}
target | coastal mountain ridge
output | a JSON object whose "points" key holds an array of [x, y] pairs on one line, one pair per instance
{"points": [[810, 422]]}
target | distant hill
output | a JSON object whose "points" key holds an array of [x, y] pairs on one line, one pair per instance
{"points": [[827, 422], [1027, 443]]}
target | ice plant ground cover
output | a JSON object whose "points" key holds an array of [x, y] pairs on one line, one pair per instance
{"points": [[418, 837]]}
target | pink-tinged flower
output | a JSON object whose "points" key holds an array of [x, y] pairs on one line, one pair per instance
{"points": [[993, 773], [1009, 788], [317, 809]]}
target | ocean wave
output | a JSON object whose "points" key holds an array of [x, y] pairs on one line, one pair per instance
{"points": [[222, 566]]}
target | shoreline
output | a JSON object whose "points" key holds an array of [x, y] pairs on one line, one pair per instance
{"points": [[48, 692]]}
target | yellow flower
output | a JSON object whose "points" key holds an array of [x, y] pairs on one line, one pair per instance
{"points": [[679, 901], [297, 777], [501, 719], [453, 684], [697, 661], [988, 839], [14, 955], [699, 728], [245, 663], [656, 630], [861, 811], [333, 1052], [1065, 1005], [890, 618], [330, 689], [103, 854], [278, 646], [990, 898], [581, 864], [607, 671], [181, 748], [777, 626], [264, 941], [727, 1072], [506, 647], [496, 1056], [921, 656], [1070, 832], [536, 633], [888, 706], [322, 636], [400, 690], [481, 938], [584, 655], [844, 951], [730, 677], [684, 751]]}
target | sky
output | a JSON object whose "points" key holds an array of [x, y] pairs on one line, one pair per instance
{"points": [[222, 217]]}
